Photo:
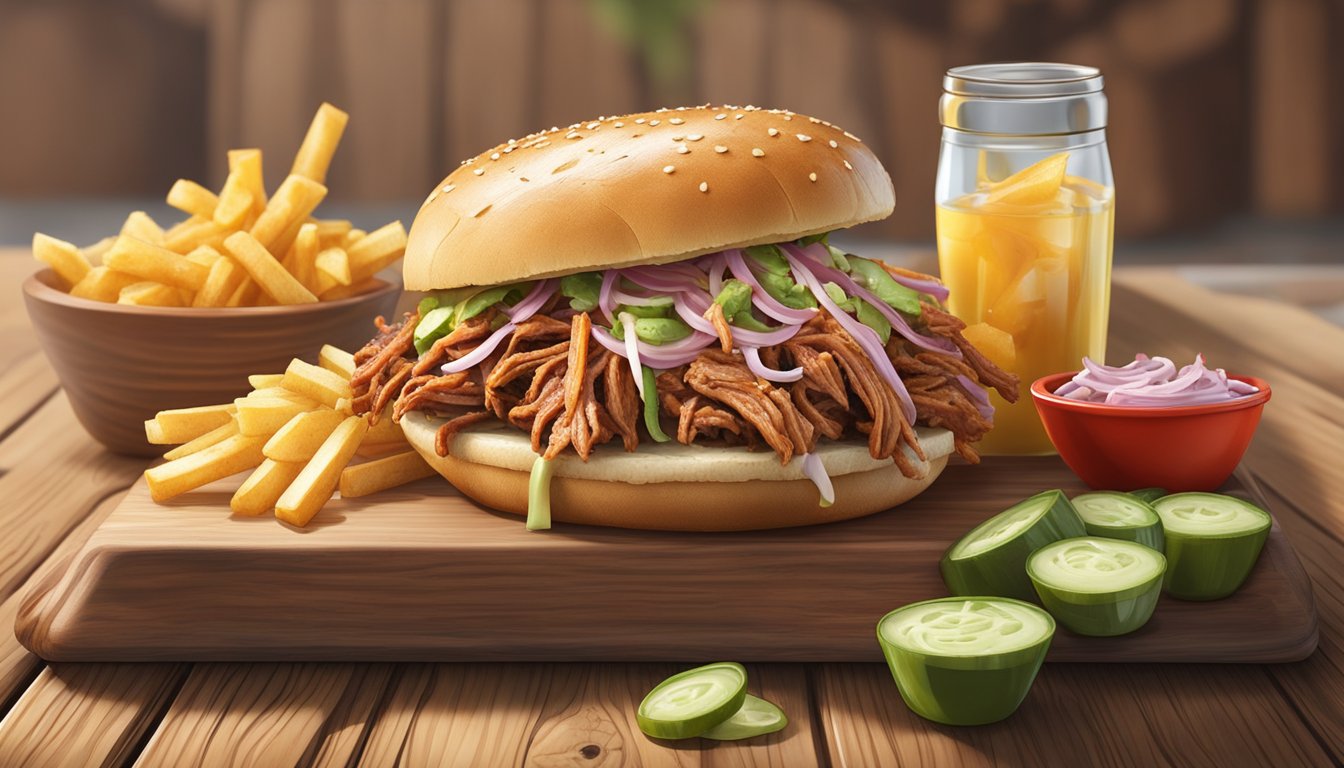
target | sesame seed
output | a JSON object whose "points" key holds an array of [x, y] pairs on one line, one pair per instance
{"points": [[720, 148], [847, 165], [654, 122], [449, 188], [669, 168], [591, 126], [834, 145], [720, 116], [572, 135], [479, 171], [639, 121], [619, 124], [494, 156], [815, 120], [507, 150], [788, 117], [738, 116], [803, 137], [676, 120], [541, 144], [704, 186], [682, 149], [773, 131], [757, 152], [812, 176], [678, 138], [513, 141], [852, 136], [694, 137]]}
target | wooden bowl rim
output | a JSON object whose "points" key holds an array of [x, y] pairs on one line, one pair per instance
{"points": [[40, 286]]}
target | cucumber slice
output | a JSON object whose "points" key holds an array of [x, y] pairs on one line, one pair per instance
{"points": [[1148, 495], [1098, 586], [965, 661], [757, 717], [1113, 515], [691, 702], [1213, 541], [992, 558]]}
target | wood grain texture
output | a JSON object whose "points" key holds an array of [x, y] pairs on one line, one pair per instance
{"points": [[266, 714], [565, 714], [85, 714], [420, 573]]}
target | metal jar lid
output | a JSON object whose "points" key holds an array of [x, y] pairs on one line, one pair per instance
{"points": [[1023, 99]]}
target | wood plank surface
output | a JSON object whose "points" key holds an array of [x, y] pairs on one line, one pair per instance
{"points": [[472, 585]]}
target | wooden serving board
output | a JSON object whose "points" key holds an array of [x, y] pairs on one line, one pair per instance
{"points": [[422, 573]]}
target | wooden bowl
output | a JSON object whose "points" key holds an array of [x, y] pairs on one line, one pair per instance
{"points": [[121, 364]]}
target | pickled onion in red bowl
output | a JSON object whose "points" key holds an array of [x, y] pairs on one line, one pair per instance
{"points": [[1153, 382]]}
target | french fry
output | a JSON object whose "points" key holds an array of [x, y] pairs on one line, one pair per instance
{"points": [[225, 277], [337, 360], [94, 253], [292, 202], [217, 435], [303, 255], [247, 164], [152, 262], [319, 144], [102, 284], [278, 392], [316, 383], [346, 291], [203, 255], [181, 425], [301, 436], [263, 416], [263, 487], [377, 250], [193, 199], [227, 457], [344, 406], [150, 294], [334, 263], [318, 480], [196, 233], [265, 380], [65, 259], [245, 295], [379, 475], [353, 236], [140, 226], [266, 271], [331, 232]]}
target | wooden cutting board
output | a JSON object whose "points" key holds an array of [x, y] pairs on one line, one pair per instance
{"points": [[422, 573]]}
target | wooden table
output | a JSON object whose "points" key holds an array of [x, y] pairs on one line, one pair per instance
{"points": [[56, 484]]}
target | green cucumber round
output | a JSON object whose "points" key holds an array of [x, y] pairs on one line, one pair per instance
{"points": [[1213, 542], [1098, 586], [757, 717], [965, 660], [1148, 495], [992, 558], [689, 703], [1113, 515]]}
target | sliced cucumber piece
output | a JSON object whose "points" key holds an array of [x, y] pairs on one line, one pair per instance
{"points": [[992, 558], [757, 717], [689, 703], [539, 495], [1148, 495], [1113, 515], [1213, 541], [965, 661], [1098, 586]]}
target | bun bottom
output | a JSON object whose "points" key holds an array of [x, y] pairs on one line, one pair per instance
{"points": [[488, 467]]}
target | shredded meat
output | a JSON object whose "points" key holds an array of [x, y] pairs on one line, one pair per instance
{"points": [[551, 381]]}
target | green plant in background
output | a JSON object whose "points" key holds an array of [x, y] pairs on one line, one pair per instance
{"points": [[657, 31]]}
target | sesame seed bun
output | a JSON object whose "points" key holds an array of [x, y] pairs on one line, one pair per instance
{"points": [[674, 487], [647, 188]]}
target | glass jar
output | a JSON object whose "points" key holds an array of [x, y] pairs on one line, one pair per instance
{"points": [[1025, 209]]}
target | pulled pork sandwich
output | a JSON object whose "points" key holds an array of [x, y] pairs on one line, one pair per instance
{"points": [[640, 320]]}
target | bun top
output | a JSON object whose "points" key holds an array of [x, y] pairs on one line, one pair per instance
{"points": [[647, 188]]}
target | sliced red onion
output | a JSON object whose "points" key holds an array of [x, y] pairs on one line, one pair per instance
{"points": [[664, 278], [714, 266], [477, 355], [641, 299], [897, 320], [932, 287], [978, 396], [764, 301], [1153, 382], [866, 337], [605, 301], [816, 472], [535, 300], [659, 356], [632, 351], [692, 318], [692, 308], [753, 357]]}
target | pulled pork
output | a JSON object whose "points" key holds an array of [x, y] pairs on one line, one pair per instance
{"points": [[567, 392]]}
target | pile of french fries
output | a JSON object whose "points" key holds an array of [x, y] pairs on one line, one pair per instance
{"points": [[296, 433], [237, 247]]}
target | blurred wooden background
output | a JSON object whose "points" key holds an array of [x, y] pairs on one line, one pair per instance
{"points": [[1218, 107]]}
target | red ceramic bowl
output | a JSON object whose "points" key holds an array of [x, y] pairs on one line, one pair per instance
{"points": [[1123, 448]]}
